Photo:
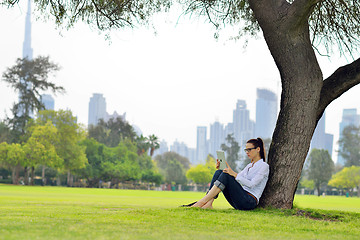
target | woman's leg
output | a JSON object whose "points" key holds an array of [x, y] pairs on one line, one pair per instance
{"points": [[237, 197], [214, 191]]}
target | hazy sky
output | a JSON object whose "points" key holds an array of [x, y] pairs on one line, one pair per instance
{"points": [[168, 83]]}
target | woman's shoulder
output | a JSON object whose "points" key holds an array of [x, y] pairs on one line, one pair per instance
{"points": [[264, 164]]}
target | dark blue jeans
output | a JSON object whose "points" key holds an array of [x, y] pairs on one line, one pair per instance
{"points": [[233, 191]]}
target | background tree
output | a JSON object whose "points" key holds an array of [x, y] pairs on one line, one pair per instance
{"points": [[153, 144], [348, 178], [173, 167], [12, 156], [112, 132], [292, 31], [70, 134], [349, 145], [232, 151], [5, 133], [40, 149], [29, 78], [320, 168]]}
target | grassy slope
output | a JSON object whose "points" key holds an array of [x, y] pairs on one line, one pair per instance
{"points": [[73, 213]]}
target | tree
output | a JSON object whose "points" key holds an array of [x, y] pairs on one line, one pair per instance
{"points": [[348, 178], [142, 144], [5, 133], [154, 144], [29, 78], [12, 156], [321, 167], [40, 149], [200, 174], [232, 151], [112, 132], [349, 145], [173, 167], [293, 30], [70, 134]]}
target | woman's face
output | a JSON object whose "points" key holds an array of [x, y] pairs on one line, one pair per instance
{"points": [[251, 151]]}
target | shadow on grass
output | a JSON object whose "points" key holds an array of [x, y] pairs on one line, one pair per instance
{"points": [[313, 214]]}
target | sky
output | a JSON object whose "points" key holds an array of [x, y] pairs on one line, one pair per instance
{"points": [[168, 79]]}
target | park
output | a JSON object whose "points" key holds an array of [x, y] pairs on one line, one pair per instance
{"points": [[37, 142], [35, 212]]}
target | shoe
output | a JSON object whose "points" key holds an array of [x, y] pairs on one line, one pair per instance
{"points": [[188, 205]]}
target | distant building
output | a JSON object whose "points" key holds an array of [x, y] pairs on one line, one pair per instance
{"points": [[97, 109], [201, 145], [242, 125], [320, 139], [48, 101], [349, 117], [162, 149], [27, 49], [266, 113], [114, 116], [216, 137]]}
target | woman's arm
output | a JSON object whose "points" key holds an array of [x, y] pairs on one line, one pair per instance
{"points": [[260, 175]]}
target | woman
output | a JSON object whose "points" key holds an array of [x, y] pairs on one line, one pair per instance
{"points": [[242, 190]]}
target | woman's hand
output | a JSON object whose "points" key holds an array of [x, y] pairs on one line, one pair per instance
{"points": [[217, 164], [229, 171]]}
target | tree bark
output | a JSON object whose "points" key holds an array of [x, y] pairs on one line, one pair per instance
{"points": [[32, 176], [43, 176], [26, 176]]}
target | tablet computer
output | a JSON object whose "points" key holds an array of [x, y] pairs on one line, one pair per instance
{"points": [[221, 157]]}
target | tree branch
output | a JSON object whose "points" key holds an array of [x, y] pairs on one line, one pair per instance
{"points": [[339, 82]]}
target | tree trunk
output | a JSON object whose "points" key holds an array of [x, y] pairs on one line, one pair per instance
{"points": [[43, 176], [68, 179], [32, 176], [304, 94], [26, 176], [13, 174], [58, 180], [301, 79]]}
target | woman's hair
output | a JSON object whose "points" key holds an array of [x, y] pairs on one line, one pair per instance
{"points": [[258, 143]]}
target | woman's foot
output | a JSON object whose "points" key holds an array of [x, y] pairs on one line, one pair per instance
{"points": [[188, 205], [209, 204]]}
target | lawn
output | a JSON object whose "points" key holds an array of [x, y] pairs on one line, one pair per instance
{"points": [[79, 213]]}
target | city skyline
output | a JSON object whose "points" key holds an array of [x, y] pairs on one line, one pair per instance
{"points": [[168, 83]]}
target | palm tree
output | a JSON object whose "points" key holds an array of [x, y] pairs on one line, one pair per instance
{"points": [[154, 144]]}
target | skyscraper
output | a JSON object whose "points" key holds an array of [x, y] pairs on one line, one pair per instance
{"points": [[27, 49], [97, 109], [266, 113], [320, 139], [242, 125], [48, 101], [349, 117], [201, 145], [216, 137]]}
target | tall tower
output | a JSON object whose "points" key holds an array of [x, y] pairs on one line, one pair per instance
{"points": [[266, 113], [242, 125], [201, 145], [349, 117], [27, 49], [97, 109], [48, 101]]}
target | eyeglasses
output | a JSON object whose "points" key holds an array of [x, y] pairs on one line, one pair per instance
{"points": [[249, 149]]}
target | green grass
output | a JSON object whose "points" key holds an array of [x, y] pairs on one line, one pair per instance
{"points": [[79, 213]]}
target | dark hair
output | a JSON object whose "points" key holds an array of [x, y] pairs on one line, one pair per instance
{"points": [[258, 143]]}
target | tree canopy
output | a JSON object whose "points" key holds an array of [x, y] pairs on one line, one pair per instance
{"points": [[29, 78]]}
